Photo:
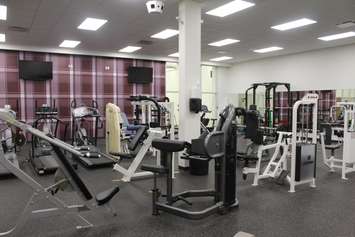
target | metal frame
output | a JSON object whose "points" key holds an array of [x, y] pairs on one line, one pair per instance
{"points": [[287, 141], [347, 163], [131, 172], [271, 86], [221, 146], [45, 193]]}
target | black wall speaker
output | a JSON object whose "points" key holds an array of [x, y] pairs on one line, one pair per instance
{"points": [[195, 105]]}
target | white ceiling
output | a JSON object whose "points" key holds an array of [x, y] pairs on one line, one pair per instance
{"points": [[49, 22]]}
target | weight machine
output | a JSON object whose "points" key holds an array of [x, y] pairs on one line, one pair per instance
{"points": [[219, 145], [272, 115], [9, 142], [67, 179], [143, 139], [342, 132], [300, 146]]}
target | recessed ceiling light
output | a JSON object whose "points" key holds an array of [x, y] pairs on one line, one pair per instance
{"points": [[175, 55], [337, 36], [69, 44], [224, 58], [267, 50], [92, 24], [2, 37], [129, 49], [224, 42], [230, 8], [294, 24], [3, 12], [165, 34]]}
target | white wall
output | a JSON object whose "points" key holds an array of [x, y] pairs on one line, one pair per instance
{"points": [[332, 68]]}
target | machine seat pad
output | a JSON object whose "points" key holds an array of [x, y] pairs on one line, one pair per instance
{"points": [[168, 145], [155, 169], [248, 157], [123, 155], [105, 196], [333, 146]]}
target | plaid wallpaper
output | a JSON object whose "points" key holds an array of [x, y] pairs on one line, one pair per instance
{"points": [[83, 78], [327, 98]]}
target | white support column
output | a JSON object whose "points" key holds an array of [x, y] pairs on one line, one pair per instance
{"points": [[189, 69]]}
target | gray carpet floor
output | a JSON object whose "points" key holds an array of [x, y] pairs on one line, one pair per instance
{"points": [[268, 210]]}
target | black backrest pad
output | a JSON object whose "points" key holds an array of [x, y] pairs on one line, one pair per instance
{"points": [[252, 125], [137, 138], [73, 175]]}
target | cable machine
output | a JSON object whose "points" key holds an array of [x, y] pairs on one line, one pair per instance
{"points": [[273, 108]]}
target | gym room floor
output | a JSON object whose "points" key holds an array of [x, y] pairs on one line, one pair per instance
{"points": [[265, 211]]}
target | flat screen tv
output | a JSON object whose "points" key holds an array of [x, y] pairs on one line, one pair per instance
{"points": [[35, 71], [140, 75]]}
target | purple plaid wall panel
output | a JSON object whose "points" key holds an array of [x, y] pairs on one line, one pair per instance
{"points": [[84, 78]]}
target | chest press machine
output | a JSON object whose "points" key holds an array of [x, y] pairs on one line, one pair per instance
{"points": [[138, 146], [299, 146], [219, 145], [67, 178]]}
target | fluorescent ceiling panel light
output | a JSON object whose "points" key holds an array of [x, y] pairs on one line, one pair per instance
{"points": [[346, 24], [294, 24], [165, 34], [130, 49], [2, 37], [69, 44], [268, 50], [230, 8], [224, 58], [337, 36], [175, 55], [224, 42], [3, 12], [92, 24]]}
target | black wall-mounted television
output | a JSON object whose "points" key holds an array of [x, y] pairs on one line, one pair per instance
{"points": [[35, 70], [140, 75]]}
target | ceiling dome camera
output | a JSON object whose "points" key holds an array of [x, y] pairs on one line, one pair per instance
{"points": [[155, 6]]}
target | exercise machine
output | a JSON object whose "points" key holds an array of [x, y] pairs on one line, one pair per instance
{"points": [[219, 145], [66, 179], [138, 146], [9, 141], [273, 108], [299, 146], [337, 135], [82, 140], [41, 153]]}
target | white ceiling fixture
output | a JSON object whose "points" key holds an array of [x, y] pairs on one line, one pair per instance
{"points": [[175, 55], [130, 49], [268, 50], [224, 42], [165, 34], [337, 36], [92, 24], [230, 8], [219, 59], [3, 12], [69, 44], [2, 37], [294, 24], [346, 24]]}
